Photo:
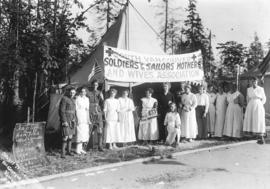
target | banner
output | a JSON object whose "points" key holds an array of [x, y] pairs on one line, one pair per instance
{"points": [[128, 66]]}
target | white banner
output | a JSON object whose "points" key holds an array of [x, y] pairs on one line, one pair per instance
{"points": [[128, 66]]}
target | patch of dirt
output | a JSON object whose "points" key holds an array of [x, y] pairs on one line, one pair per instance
{"points": [[169, 177]]}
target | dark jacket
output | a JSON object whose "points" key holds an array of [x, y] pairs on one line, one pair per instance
{"points": [[67, 110]]}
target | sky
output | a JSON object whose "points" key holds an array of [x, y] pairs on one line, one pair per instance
{"points": [[236, 20]]}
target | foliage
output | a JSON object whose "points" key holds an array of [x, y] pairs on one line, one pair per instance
{"points": [[232, 54], [255, 53], [105, 13], [173, 25], [37, 37], [196, 38]]}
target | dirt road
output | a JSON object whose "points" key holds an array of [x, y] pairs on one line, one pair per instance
{"points": [[242, 167]]}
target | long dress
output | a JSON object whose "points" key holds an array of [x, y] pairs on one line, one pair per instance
{"points": [[211, 113], [189, 127], [254, 121], [83, 120], [126, 120], [221, 106], [111, 110], [163, 107], [148, 128], [233, 125]]}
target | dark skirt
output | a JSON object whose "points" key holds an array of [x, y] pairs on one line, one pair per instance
{"points": [[201, 122]]}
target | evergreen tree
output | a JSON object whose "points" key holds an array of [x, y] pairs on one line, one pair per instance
{"points": [[36, 37], [255, 53], [232, 54], [105, 13], [173, 22], [196, 37]]}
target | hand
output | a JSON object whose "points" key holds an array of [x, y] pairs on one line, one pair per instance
{"points": [[65, 124], [204, 115]]}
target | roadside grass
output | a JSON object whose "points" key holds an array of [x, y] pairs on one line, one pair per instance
{"points": [[94, 158]]}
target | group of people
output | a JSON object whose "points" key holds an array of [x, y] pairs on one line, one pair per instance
{"points": [[167, 118], [81, 114]]}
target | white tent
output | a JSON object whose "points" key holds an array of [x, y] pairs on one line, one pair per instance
{"points": [[131, 32]]}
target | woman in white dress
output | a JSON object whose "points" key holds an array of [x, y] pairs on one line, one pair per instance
{"points": [[211, 111], [189, 128], [111, 111], [233, 125], [148, 127], [254, 122], [83, 121], [126, 118], [173, 122], [221, 106]]}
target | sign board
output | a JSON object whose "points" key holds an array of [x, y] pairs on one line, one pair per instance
{"points": [[150, 114], [127, 66], [28, 145]]}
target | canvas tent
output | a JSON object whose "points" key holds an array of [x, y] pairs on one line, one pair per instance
{"points": [[128, 32]]}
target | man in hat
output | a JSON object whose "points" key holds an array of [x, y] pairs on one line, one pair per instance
{"points": [[96, 100], [68, 120]]}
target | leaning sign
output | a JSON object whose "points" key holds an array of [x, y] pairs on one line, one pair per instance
{"points": [[28, 145], [128, 66]]}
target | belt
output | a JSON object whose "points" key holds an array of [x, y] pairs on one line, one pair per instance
{"points": [[70, 111]]}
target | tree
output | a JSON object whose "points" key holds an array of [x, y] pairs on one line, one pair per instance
{"points": [[37, 37], [169, 25], [255, 53], [268, 45], [232, 54], [105, 13], [195, 37]]}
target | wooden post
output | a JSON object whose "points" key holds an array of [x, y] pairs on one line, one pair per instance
{"points": [[166, 24], [130, 90], [28, 114], [237, 76], [34, 100]]}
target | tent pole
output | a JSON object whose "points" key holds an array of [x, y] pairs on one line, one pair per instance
{"points": [[237, 78], [130, 90]]}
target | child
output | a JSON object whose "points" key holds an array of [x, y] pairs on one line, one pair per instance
{"points": [[173, 122]]}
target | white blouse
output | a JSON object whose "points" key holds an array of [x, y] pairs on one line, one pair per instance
{"points": [[256, 93]]}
